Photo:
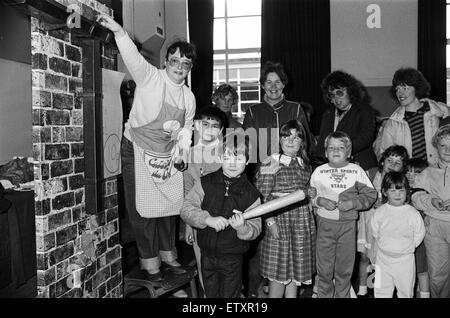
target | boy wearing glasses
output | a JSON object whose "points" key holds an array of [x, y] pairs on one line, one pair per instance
{"points": [[155, 145], [343, 189]]}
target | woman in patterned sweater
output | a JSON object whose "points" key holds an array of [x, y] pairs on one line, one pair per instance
{"points": [[288, 249]]}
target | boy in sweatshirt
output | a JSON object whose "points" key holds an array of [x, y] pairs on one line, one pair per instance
{"points": [[214, 206], [435, 202], [343, 189]]}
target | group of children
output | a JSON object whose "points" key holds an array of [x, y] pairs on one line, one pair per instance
{"points": [[355, 210], [349, 206]]}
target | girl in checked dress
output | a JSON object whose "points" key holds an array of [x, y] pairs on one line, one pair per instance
{"points": [[288, 247]]}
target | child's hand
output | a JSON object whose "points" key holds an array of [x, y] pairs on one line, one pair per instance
{"points": [[237, 222], [328, 204], [438, 204], [344, 206], [189, 235], [218, 223], [180, 160], [109, 23], [274, 231]]}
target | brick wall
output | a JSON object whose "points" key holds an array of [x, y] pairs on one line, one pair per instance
{"points": [[78, 255]]}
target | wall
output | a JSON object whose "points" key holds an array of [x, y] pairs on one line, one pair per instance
{"points": [[78, 255], [175, 22], [372, 51], [15, 84], [15, 110]]}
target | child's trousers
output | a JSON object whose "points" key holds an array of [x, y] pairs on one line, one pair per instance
{"points": [[437, 244], [398, 272], [222, 276], [335, 250]]}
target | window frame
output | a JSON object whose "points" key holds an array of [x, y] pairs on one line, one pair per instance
{"points": [[228, 67]]}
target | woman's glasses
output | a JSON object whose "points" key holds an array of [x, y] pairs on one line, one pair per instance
{"points": [[185, 65], [336, 93]]}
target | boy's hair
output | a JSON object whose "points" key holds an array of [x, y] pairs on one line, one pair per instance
{"points": [[238, 144], [416, 163], [214, 113], [285, 131], [222, 91], [341, 136], [395, 151], [395, 179], [271, 67], [442, 132], [186, 49], [411, 77]]}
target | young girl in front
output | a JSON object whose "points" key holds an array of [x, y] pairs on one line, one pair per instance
{"points": [[398, 229], [288, 247], [393, 159]]}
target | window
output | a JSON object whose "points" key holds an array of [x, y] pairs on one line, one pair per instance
{"points": [[237, 49]]}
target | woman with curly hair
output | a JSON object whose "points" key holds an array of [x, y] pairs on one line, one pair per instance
{"points": [[350, 112], [415, 121]]}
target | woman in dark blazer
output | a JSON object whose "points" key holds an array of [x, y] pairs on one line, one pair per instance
{"points": [[350, 112]]}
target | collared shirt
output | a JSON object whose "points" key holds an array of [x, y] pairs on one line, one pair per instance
{"points": [[286, 160]]}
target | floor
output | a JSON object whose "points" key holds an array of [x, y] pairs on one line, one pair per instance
{"points": [[185, 256]]}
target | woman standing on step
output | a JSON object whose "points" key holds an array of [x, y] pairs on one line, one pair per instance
{"points": [[155, 144]]}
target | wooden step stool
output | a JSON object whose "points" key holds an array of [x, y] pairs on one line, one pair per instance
{"points": [[135, 280]]}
